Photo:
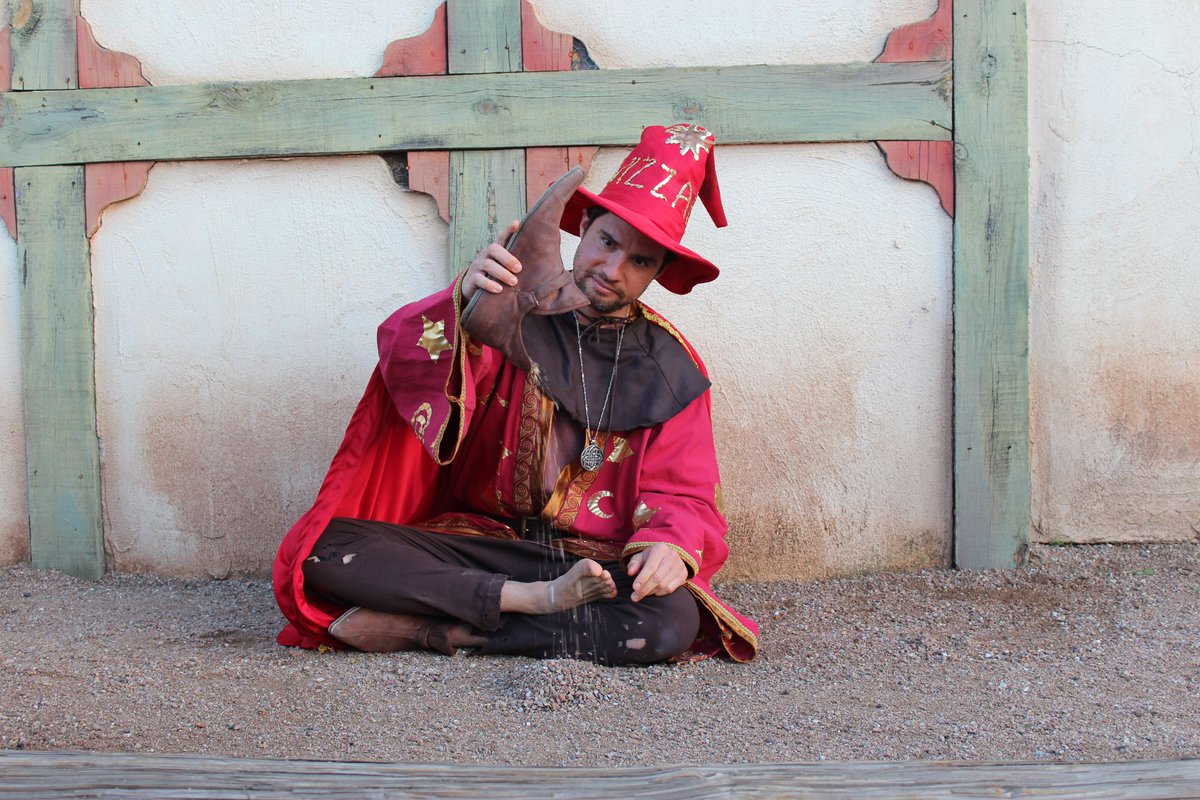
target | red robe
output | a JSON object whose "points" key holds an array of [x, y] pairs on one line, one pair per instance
{"points": [[450, 435]]}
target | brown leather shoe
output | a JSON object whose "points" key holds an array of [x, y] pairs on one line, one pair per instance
{"points": [[543, 287], [377, 632]]}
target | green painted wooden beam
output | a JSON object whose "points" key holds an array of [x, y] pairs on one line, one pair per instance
{"points": [[487, 187], [57, 338], [487, 191], [58, 374], [748, 105], [484, 36], [43, 44], [991, 289]]}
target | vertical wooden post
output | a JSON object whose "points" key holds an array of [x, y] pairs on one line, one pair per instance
{"points": [[58, 342], [487, 188], [991, 289], [43, 44]]}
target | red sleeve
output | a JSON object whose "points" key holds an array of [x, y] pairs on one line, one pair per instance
{"points": [[679, 490]]}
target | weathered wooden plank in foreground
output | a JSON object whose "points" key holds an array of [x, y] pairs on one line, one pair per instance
{"points": [[49, 776], [991, 286], [748, 105], [487, 187]]}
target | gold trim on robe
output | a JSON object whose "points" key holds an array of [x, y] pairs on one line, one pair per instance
{"points": [[726, 622]]}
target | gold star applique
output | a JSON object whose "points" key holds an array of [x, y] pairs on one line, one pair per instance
{"points": [[505, 453], [621, 450], [434, 338], [642, 514], [690, 138]]}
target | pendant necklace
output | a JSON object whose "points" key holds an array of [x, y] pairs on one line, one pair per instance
{"points": [[592, 456]]}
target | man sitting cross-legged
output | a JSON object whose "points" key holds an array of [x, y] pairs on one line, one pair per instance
{"points": [[531, 469]]}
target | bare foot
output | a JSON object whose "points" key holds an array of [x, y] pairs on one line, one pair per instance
{"points": [[584, 582]]}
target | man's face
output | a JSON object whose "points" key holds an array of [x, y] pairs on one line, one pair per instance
{"points": [[614, 263]]}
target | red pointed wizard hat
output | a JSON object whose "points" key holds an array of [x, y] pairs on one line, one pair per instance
{"points": [[654, 191]]}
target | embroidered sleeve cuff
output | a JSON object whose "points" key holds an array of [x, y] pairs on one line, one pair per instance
{"points": [[692, 565]]}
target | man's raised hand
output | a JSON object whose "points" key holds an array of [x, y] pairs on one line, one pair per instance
{"points": [[493, 267], [659, 570]]}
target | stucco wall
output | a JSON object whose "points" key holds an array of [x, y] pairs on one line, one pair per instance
{"points": [[236, 301], [235, 310], [1115, 135]]}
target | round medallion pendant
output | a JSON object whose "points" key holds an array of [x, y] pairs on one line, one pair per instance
{"points": [[592, 457]]}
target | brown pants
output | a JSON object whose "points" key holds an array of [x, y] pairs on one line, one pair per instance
{"points": [[402, 570]]}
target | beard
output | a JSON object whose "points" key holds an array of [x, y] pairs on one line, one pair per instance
{"points": [[601, 305]]}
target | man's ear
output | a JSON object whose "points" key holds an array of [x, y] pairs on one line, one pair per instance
{"points": [[584, 222]]}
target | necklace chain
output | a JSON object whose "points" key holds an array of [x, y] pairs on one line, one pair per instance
{"points": [[591, 457]]}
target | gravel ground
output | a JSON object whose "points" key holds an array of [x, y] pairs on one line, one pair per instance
{"points": [[1088, 653]]}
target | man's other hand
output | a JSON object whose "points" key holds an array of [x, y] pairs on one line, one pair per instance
{"points": [[659, 570], [493, 267]]}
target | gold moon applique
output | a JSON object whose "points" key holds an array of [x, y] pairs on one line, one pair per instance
{"points": [[420, 419], [594, 504], [719, 498], [434, 340]]}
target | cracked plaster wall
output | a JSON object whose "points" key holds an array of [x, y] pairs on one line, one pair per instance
{"points": [[1115, 309]]}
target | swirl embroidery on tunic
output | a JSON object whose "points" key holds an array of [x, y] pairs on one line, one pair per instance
{"points": [[570, 508], [529, 434], [577, 488], [594, 504]]}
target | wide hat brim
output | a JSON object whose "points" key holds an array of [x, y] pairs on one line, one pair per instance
{"points": [[685, 271]]}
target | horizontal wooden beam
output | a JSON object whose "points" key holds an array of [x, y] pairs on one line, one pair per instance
{"points": [[745, 105], [49, 776]]}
